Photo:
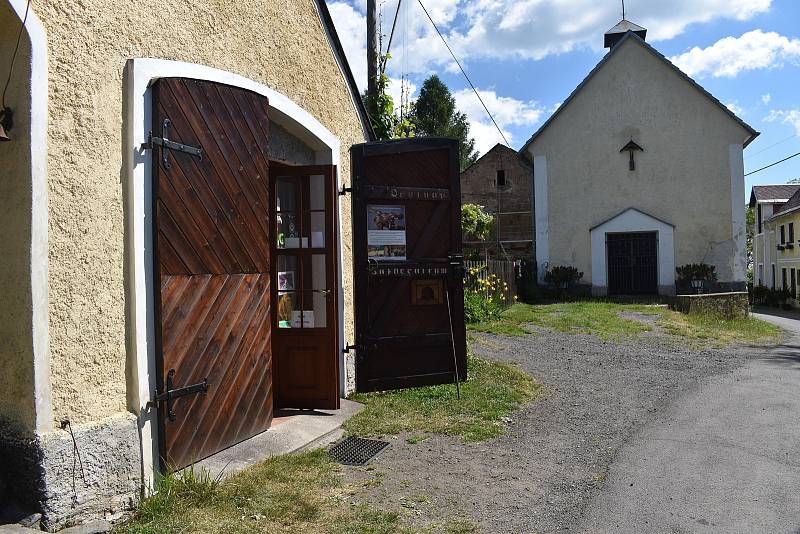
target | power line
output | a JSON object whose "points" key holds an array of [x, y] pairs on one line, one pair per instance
{"points": [[772, 164], [770, 146], [391, 36], [464, 73]]}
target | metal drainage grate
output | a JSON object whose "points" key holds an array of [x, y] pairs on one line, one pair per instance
{"points": [[356, 451]]}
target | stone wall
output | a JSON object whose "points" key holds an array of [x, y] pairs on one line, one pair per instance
{"points": [[723, 305], [478, 186]]}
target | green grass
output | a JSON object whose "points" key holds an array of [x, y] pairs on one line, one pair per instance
{"points": [[285, 494], [492, 392], [603, 320], [707, 330]]}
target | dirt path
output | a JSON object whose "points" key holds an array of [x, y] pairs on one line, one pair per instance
{"points": [[540, 476]]}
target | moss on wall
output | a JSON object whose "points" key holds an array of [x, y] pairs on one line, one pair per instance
{"points": [[280, 43], [16, 336]]}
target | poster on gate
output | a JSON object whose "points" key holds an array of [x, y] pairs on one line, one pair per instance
{"points": [[386, 233]]}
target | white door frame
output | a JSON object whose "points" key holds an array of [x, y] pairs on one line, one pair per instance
{"points": [[633, 220], [139, 76]]}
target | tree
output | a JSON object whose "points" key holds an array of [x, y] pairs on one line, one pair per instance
{"points": [[435, 114], [750, 228], [387, 123]]}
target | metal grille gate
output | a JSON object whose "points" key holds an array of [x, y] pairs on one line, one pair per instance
{"points": [[632, 263]]}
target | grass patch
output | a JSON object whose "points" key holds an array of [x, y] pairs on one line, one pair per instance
{"points": [[603, 320], [599, 318], [493, 391], [285, 494], [708, 330]]}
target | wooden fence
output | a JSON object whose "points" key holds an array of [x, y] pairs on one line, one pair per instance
{"points": [[506, 272]]}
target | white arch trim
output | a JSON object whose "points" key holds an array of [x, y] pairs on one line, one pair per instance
{"points": [[633, 220], [138, 78], [39, 237]]}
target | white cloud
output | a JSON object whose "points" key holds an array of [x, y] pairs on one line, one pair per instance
{"points": [[731, 55], [395, 90], [526, 29], [791, 117], [735, 108], [766, 98], [507, 112], [351, 27]]}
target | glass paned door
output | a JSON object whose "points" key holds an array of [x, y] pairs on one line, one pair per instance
{"points": [[304, 286]]}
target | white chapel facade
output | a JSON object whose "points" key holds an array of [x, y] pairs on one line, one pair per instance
{"points": [[638, 172]]}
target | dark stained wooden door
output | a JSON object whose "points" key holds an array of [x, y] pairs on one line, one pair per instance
{"points": [[408, 264], [213, 266], [305, 325], [632, 263]]}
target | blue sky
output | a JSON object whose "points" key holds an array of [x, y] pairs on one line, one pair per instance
{"points": [[526, 57]]}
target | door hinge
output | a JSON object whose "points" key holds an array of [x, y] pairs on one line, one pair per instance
{"points": [[166, 144], [344, 190], [171, 393]]}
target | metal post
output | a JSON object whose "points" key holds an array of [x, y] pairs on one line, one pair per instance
{"points": [[453, 343]]}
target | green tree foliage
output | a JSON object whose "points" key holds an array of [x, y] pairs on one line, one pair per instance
{"points": [[435, 114], [475, 221], [386, 122]]}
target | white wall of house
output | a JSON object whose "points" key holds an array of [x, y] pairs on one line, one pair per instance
{"points": [[690, 172]]}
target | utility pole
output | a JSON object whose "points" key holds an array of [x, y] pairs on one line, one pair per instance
{"points": [[372, 49]]}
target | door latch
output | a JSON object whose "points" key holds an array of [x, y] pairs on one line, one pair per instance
{"points": [[167, 144], [171, 393]]}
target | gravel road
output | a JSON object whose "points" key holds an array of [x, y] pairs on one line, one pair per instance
{"points": [[540, 476]]}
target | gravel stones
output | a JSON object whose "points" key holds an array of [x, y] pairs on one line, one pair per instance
{"points": [[554, 457]]}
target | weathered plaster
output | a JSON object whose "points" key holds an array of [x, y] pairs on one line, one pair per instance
{"points": [[684, 174], [280, 43], [99, 473]]}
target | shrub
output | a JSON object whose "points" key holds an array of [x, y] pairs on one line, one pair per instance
{"points": [[478, 308], [759, 294], [475, 221], [562, 276], [696, 271]]}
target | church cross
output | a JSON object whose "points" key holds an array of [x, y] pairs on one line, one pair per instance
{"points": [[631, 147]]}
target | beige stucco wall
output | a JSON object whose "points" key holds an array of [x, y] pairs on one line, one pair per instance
{"points": [[16, 336], [280, 43], [683, 176]]}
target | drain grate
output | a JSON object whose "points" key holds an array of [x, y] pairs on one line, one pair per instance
{"points": [[356, 451]]}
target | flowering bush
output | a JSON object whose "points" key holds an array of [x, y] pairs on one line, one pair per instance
{"points": [[484, 295]]}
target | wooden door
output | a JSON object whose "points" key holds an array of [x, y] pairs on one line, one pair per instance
{"points": [[210, 194], [305, 325], [408, 264], [632, 263]]}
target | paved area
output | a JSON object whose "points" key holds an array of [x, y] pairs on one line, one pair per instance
{"points": [[544, 474], [722, 458], [291, 431]]}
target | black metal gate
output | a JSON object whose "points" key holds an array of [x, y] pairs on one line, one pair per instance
{"points": [[632, 263]]}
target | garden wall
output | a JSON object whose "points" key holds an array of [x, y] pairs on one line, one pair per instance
{"points": [[732, 305]]}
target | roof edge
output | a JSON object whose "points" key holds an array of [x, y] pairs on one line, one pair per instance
{"points": [[631, 35], [344, 65], [598, 225]]}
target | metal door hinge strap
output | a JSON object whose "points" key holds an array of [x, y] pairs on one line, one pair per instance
{"points": [[175, 393], [167, 144]]}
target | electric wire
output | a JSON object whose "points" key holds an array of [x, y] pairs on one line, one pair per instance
{"points": [[770, 146], [772, 164], [14, 56], [391, 36], [464, 73]]}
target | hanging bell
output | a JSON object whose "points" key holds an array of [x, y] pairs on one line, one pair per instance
{"points": [[6, 123]]}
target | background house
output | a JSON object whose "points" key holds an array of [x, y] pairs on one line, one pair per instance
{"points": [[766, 200], [80, 317], [639, 171], [501, 182]]}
